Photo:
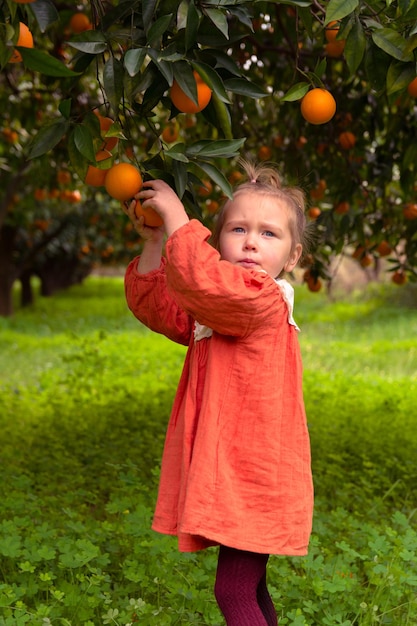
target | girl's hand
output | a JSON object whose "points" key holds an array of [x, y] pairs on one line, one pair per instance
{"points": [[148, 233], [158, 195]]}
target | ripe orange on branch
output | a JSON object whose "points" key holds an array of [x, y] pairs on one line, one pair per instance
{"points": [[332, 30], [96, 176], [25, 40], [318, 106], [347, 140], [105, 124], [170, 132], [79, 22], [123, 180], [410, 211], [183, 103], [412, 88]]}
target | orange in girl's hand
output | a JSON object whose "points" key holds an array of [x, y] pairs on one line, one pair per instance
{"points": [[151, 217]]}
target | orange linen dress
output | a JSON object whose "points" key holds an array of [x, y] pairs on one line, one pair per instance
{"points": [[236, 464]]}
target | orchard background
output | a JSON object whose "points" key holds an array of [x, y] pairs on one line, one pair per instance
{"points": [[97, 77]]}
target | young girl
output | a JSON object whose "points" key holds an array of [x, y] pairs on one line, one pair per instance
{"points": [[236, 463]]}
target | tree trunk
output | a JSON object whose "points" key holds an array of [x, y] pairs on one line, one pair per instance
{"points": [[27, 292], [8, 272]]}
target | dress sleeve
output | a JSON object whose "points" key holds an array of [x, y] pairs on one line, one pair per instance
{"points": [[229, 299], [152, 303]]}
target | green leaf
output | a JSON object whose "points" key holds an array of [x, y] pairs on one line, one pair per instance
{"points": [[223, 118], [296, 92], [212, 79], [78, 163], [391, 42], [377, 64], [65, 108], [355, 47], [158, 28], [177, 152], [45, 13], [245, 88], [39, 61], [337, 9], [113, 83], [183, 74], [222, 148], [133, 60], [47, 138], [84, 142], [192, 24], [180, 177], [219, 19], [399, 76], [90, 42], [217, 177], [148, 12]]}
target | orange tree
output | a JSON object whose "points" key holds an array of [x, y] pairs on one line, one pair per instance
{"points": [[258, 60]]}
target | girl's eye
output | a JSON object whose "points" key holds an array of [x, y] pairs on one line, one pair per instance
{"points": [[238, 229], [269, 233]]}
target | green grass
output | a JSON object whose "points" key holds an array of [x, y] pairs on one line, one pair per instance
{"points": [[85, 395]]}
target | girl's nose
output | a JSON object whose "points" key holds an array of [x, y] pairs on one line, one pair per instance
{"points": [[250, 243]]}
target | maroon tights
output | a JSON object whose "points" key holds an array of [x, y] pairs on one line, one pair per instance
{"points": [[241, 590]]}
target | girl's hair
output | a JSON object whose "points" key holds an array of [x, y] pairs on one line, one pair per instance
{"points": [[265, 179]]}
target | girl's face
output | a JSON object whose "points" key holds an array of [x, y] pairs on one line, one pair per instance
{"points": [[256, 234]]}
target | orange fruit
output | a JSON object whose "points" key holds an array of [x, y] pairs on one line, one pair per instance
{"points": [[40, 194], [170, 133], [264, 153], [205, 189], [318, 192], [383, 248], [342, 207], [184, 104], [152, 218], [347, 140], [212, 206], [314, 212], [105, 124], [334, 49], [10, 135], [234, 177], [63, 177], [79, 22], [123, 180], [399, 277], [318, 106], [25, 40], [410, 211], [331, 31], [313, 282], [412, 88], [366, 259], [96, 176]]}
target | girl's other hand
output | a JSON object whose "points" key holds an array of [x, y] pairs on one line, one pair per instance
{"points": [[148, 233], [158, 195]]}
